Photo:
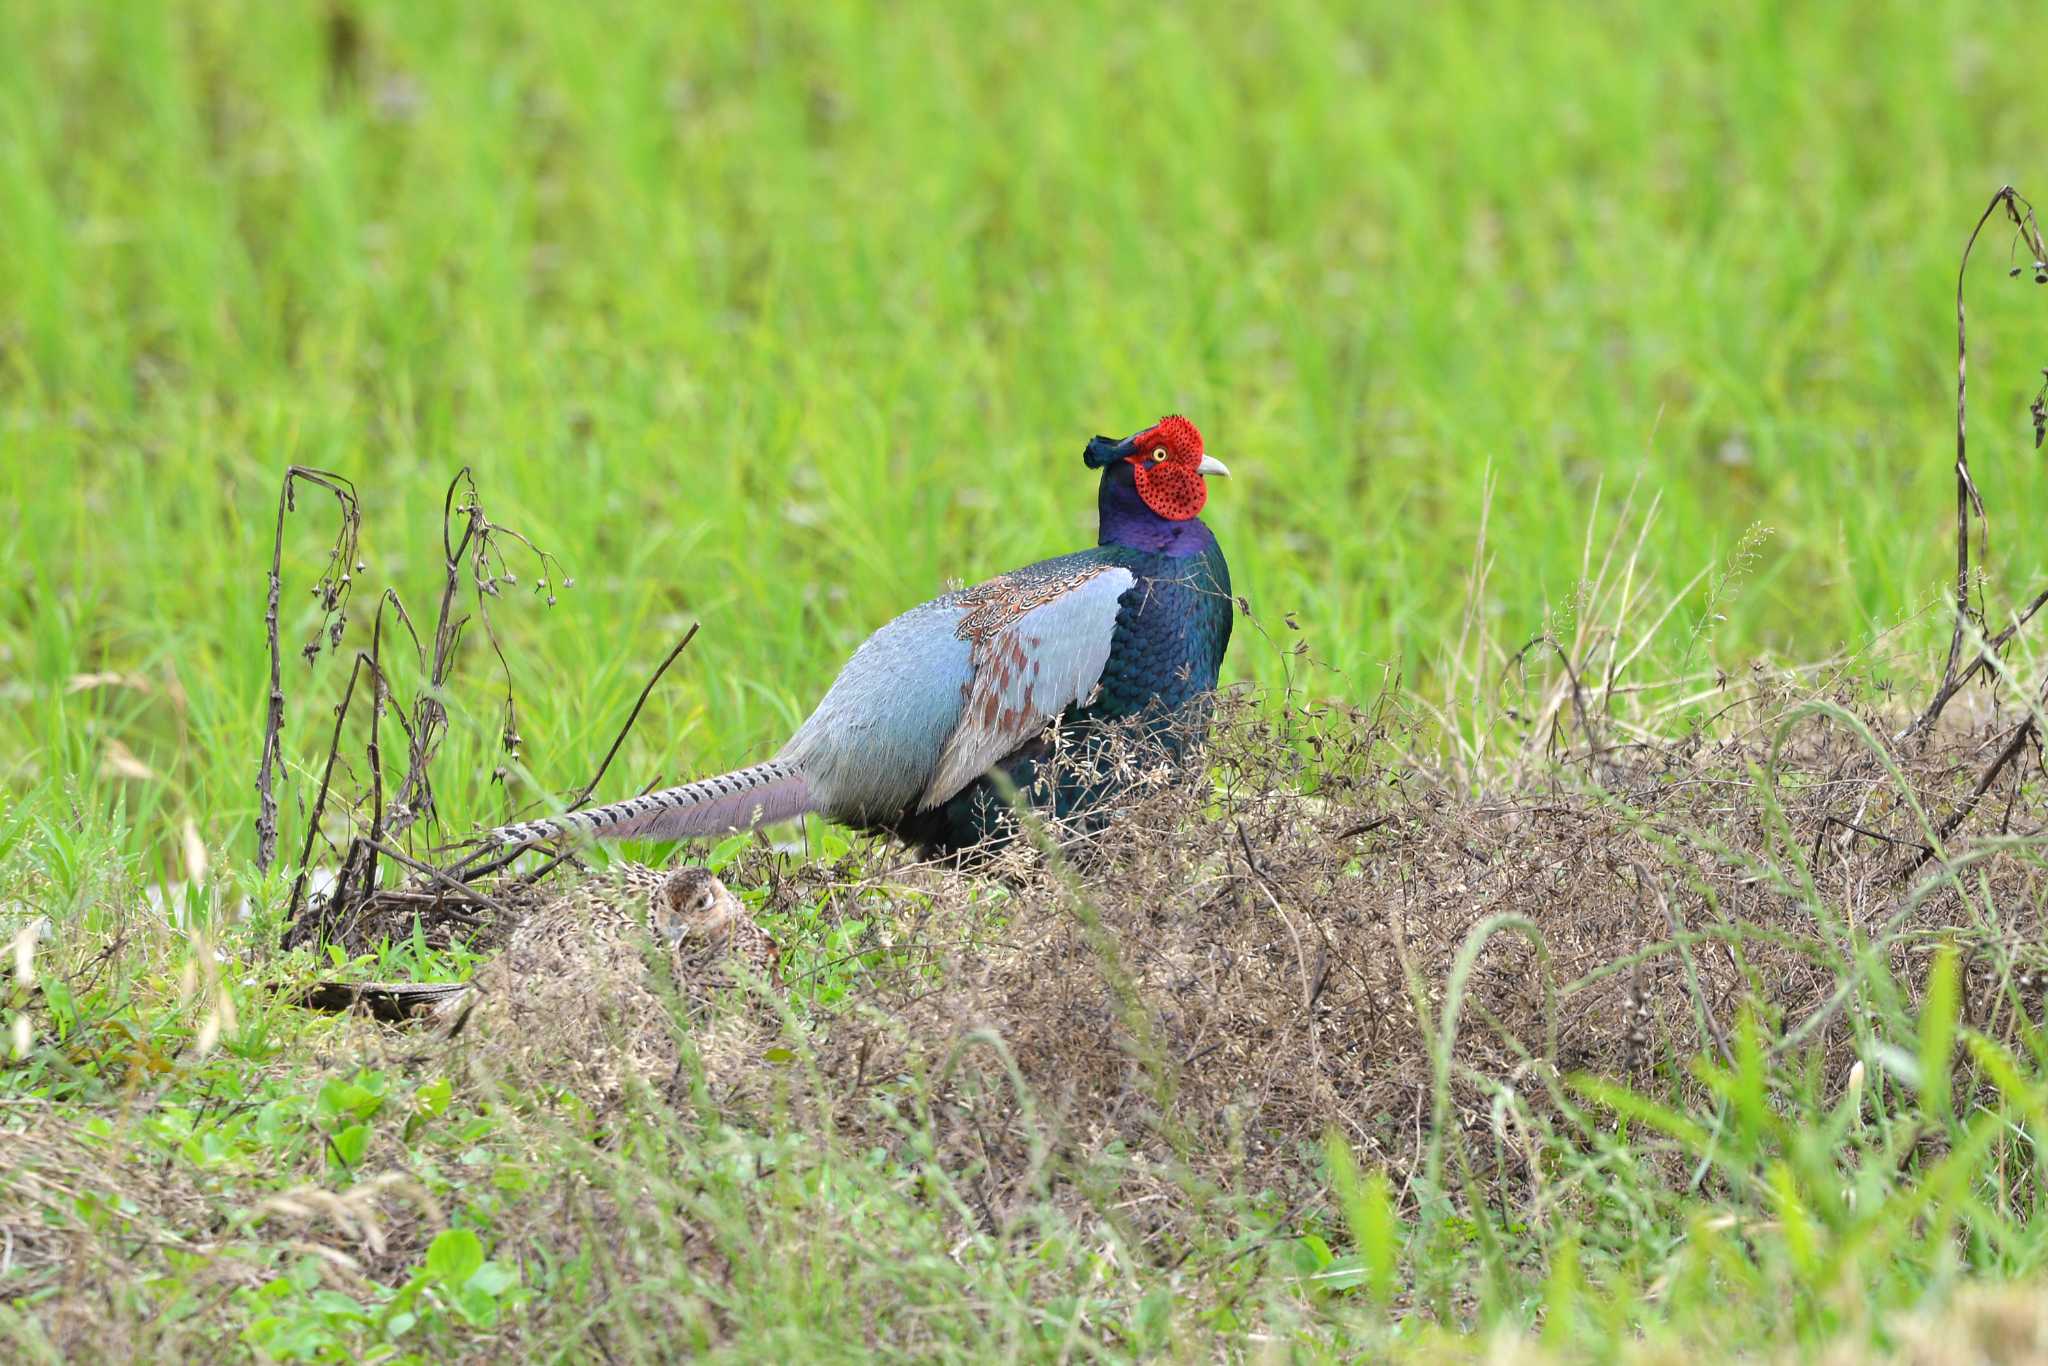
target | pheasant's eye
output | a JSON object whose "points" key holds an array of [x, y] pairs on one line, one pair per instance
{"points": [[1158, 454]]}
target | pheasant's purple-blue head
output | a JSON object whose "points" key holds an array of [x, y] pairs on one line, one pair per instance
{"points": [[1164, 464]]}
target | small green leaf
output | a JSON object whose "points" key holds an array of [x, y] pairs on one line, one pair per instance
{"points": [[493, 1278], [1750, 1084], [1802, 1237], [1368, 1206], [1345, 1273], [454, 1256], [346, 1098], [479, 1308], [1561, 1292], [1938, 1033], [63, 1009], [350, 1145], [429, 1103], [431, 1100], [1303, 1256], [725, 851], [334, 1303]]}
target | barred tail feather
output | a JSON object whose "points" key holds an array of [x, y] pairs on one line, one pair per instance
{"points": [[388, 1000], [747, 797]]}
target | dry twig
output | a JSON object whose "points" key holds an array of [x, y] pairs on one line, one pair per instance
{"points": [[332, 590], [1955, 674]]}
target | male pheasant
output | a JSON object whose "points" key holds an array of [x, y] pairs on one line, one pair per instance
{"points": [[909, 737]]}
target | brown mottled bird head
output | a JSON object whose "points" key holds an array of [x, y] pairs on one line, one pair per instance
{"points": [[692, 903], [695, 913]]}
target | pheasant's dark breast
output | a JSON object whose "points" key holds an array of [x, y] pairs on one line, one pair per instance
{"points": [[1165, 656], [1171, 629]]}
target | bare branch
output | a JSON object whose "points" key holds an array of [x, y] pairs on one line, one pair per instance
{"points": [[1954, 673], [333, 591]]}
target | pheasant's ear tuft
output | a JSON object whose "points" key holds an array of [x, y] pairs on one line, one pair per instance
{"points": [[1105, 450]]}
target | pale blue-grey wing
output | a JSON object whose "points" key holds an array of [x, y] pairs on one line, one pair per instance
{"points": [[871, 746], [1035, 649]]}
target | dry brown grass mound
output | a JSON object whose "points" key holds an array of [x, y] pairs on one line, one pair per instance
{"points": [[580, 1004], [1236, 968], [1312, 932]]}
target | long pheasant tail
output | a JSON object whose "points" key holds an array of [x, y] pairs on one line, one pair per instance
{"points": [[741, 800]]}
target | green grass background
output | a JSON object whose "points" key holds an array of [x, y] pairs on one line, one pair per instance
{"points": [[779, 316]]}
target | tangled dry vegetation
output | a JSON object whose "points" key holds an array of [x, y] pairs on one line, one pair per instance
{"points": [[1325, 933], [1239, 969]]}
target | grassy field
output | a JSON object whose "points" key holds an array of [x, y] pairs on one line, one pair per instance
{"points": [[776, 318]]}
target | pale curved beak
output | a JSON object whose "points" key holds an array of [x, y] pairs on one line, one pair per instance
{"points": [[1211, 465]]}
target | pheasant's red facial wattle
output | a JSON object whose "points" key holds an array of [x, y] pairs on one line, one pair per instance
{"points": [[1173, 491], [1167, 464]]}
